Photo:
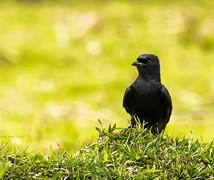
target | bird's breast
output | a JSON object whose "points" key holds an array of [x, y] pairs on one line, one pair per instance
{"points": [[147, 100]]}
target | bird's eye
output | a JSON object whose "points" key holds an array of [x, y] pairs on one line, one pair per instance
{"points": [[145, 61], [149, 61]]}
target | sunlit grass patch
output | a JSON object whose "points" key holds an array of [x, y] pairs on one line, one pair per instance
{"points": [[133, 153]]}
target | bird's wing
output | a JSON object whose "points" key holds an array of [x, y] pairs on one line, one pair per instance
{"points": [[168, 101], [127, 99]]}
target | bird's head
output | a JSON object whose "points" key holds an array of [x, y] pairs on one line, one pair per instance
{"points": [[148, 64]]}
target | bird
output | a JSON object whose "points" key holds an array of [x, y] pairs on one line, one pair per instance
{"points": [[146, 99]]}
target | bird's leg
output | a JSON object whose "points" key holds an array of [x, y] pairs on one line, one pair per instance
{"points": [[133, 122], [158, 127], [157, 130]]}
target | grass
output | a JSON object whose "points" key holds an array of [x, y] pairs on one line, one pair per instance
{"points": [[117, 154]]}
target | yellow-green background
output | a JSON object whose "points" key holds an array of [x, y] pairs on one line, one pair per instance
{"points": [[66, 64]]}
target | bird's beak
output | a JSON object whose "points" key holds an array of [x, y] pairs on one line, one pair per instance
{"points": [[138, 64]]}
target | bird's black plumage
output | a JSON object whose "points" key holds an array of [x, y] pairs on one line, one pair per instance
{"points": [[147, 99]]}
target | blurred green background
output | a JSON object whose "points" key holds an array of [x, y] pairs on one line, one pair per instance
{"points": [[66, 64]]}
